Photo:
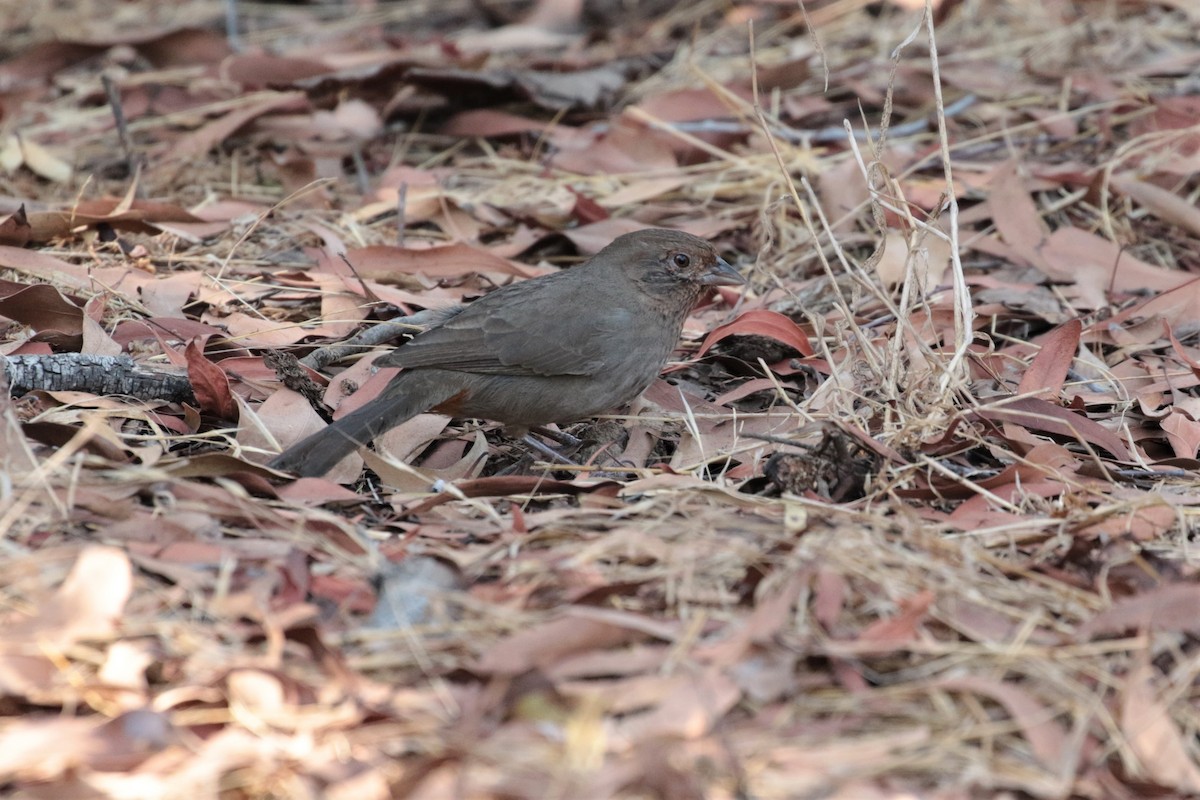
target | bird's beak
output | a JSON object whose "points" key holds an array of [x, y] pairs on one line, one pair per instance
{"points": [[721, 274]]}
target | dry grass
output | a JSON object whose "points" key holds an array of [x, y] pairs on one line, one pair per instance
{"points": [[973, 578]]}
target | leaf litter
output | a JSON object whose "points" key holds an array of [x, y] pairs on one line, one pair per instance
{"points": [[900, 521]]}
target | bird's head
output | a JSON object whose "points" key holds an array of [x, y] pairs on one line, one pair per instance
{"points": [[660, 259]]}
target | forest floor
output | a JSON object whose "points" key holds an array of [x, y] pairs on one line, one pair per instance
{"points": [[908, 516]]}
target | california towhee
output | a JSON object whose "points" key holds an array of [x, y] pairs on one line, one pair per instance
{"points": [[556, 348]]}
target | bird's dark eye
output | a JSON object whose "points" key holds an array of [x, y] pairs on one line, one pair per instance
{"points": [[681, 260]]}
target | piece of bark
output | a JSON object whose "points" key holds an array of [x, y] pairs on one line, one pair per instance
{"points": [[102, 375]]}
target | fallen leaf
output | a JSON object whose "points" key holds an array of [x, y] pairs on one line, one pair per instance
{"points": [[761, 322], [1045, 375], [1092, 267], [1166, 608], [1153, 734], [208, 136], [1166, 205], [690, 709], [1047, 738], [210, 384], [544, 644], [1041, 415], [41, 307], [43, 162], [900, 629]]}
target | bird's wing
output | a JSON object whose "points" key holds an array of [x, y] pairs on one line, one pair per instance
{"points": [[522, 329]]}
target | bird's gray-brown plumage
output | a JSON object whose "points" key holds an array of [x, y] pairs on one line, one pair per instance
{"points": [[557, 348]]}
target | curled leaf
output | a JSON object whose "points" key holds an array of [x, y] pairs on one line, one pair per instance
{"points": [[761, 322]]}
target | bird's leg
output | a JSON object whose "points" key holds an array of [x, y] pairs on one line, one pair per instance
{"points": [[538, 446], [562, 437]]}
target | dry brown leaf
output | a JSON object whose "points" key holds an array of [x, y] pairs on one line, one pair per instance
{"points": [[11, 157], [1153, 735], [1041, 415], [760, 322], [1016, 215], [210, 383], [43, 162], [1183, 433], [747, 673], [899, 630], [1169, 608], [626, 147], [543, 645], [1045, 375], [1166, 205], [929, 261], [1094, 267], [1046, 738], [41, 307], [688, 709], [262, 71], [206, 137]]}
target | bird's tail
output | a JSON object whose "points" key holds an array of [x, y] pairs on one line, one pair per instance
{"points": [[408, 394]]}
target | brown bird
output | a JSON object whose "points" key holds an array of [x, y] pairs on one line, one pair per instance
{"points": [[556, 348]]}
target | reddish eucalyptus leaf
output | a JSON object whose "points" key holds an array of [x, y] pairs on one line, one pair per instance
{"points": [[761, 322], [1041, 415], [1013, 481], [260, 71], [1170, 607], [586, 209], [1162, 203], [207, 136], [41, 307], [1160, 746], [1048, 370], [894, 632], [15, 229], [210, 384], [486, 122], [1177, 346], [548, 643], [1183, 433], [1016, 215], [1047, 738]]}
